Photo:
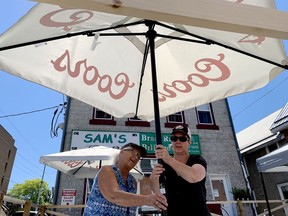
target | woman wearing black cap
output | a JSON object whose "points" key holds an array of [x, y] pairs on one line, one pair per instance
{"points": [[114, 188], [184, 175]]}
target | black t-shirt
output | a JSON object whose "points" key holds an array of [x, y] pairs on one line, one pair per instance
{"points": [[185, 198]]}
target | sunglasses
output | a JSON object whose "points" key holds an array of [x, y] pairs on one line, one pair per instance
{"points": [[181, 138], [134, 152]]}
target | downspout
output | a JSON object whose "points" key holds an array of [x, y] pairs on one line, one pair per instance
{"points": [[241, 161], [61, 150]]}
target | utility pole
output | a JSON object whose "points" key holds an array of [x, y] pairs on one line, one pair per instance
{"points": [[40, 188]]}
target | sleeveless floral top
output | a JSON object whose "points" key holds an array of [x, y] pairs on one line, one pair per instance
{"points": [[97, 205]]}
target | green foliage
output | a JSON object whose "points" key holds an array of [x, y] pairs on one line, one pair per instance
{"points": [[240, 193], [29, 191]]}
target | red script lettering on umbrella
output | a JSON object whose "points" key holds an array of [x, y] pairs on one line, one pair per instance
{"points": [[196, 79], [105, 82]]}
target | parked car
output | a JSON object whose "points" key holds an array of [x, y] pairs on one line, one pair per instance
{"points": [[4, 210], [32, 213]]}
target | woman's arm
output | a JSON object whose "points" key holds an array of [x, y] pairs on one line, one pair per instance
{"points": [[154, 177], [191, 174], [109, 187]]}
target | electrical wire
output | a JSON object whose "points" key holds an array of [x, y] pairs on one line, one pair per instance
{"points": [[254, 102], [57, 112], [23, 137], [28, 152], [30, 112]]}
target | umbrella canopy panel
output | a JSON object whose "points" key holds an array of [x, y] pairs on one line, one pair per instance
{"points": [[276, 161], [93, 56], [85, 163]]}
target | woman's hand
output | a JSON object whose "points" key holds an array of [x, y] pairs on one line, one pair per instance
{"points": [[156, 172], [162, 153], [158, 201]]}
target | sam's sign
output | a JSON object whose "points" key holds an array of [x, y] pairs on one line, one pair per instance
{"points": [[87, 139]]}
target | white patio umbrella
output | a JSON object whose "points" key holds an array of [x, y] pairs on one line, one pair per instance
{"points": [[129, 67], [275, 161], [84, 163]]}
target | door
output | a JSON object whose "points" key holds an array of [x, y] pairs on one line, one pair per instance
{"points": [[221, 190]]}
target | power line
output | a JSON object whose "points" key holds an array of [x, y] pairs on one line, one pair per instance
{"points": [[30, 112], [254, 102], [23, 137]]}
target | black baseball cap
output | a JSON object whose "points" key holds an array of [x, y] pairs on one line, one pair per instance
{"points": [[143, 151], [183, 129]]}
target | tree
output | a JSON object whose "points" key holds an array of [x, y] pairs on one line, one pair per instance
{"points": [[29, 191]]}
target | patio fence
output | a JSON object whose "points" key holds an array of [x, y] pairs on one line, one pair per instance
{"points": [[52, 209]]}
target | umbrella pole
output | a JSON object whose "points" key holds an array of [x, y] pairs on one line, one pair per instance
{"points": [[151, 35], [265, 193]]}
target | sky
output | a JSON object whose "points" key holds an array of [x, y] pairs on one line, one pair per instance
{"points": [[31, 131]]}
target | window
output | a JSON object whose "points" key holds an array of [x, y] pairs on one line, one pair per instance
{"points": [[102, 118], [205, 117], [283, 191], [9, 153], [5, 167], [175, 119], [102, 115], [272, 147], [135, 121], [147, 164], [204, 114]]}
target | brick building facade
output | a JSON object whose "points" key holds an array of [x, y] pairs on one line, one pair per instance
{"points": [[7, 156], [210, 124]]}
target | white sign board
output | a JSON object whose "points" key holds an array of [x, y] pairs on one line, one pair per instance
{"points": [[68, 197], [88, 139]]}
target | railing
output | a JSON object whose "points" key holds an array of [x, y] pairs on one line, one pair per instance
{"points": [[240, 204], [51, 209], [26, 203]]}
